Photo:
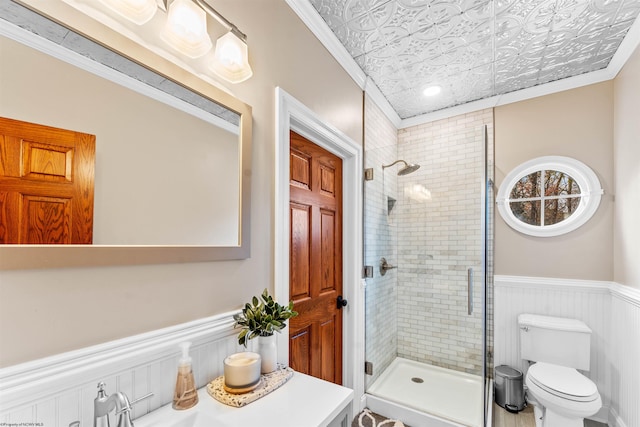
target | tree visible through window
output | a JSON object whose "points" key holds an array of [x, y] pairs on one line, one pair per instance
{"points": [[545, 201], [546, 192]]}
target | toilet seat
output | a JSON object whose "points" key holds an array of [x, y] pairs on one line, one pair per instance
{"points": [[563, 382]]}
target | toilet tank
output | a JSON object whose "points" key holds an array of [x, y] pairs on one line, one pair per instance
{"points": [[557, 340]]}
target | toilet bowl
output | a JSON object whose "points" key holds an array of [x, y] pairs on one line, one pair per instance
{"points": [[558, 347], [564, 395]]}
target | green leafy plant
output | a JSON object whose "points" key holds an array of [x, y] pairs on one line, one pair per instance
{"points": [[262, 317]]}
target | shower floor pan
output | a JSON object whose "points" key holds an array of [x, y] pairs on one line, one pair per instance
{"points": [[425, 395]]}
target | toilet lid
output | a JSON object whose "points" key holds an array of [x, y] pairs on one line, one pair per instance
{"points": [[563, 381]]}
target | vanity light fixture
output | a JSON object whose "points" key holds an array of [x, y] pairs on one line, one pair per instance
{"points": [[137, 11], [231, 58], [185, 30], [432, 91]]}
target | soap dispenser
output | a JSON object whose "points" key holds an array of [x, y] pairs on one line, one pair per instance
{"points": [[186, 395]]}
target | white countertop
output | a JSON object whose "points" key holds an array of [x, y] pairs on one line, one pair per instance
{"points": [[304, 401]]}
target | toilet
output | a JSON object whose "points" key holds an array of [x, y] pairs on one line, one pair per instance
{"points": [[558, 348]]}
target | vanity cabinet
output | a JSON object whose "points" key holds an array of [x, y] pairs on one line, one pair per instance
{"points": [[342, 419], [301, 401]]}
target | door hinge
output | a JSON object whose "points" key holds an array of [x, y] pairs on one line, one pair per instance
{"points": [[368, 368], [367, 272], [368, 174]]}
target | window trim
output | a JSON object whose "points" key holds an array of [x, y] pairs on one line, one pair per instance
{"points": [[590, 194]]}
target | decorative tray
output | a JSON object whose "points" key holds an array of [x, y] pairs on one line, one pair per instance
{"points": [[268, 383]]}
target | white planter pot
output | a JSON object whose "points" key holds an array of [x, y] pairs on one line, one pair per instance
{"points": [[268, 352]]}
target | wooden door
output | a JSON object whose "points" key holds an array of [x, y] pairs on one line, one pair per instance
{"points": [[315, 260], [46, 184]]}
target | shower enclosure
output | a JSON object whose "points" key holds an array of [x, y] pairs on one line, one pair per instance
{"points": [[428, 304]]}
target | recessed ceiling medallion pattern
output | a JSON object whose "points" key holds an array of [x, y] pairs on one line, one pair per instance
{"points": [[474, 49]]}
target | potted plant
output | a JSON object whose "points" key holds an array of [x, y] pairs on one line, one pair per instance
{"points": [[261, 318]]}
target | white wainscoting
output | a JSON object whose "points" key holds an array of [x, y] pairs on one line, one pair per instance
{"points": [[625, 358], [611, 310], [57, 390]]}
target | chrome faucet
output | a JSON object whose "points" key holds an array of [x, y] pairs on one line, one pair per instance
{"points": [[103, 405]]}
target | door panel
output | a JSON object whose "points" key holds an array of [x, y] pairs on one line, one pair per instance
{"points": [[300, 350], [328, 338], [45, 162], [300, 172], [46, 219], [315, 260], [300, 280], [327, 250], [46, 184]]}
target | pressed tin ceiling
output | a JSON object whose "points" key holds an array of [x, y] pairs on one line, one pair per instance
{"points": [[474, 49]]}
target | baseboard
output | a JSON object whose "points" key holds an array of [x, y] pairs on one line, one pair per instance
{"points": [[602, 416], [363, 403], [614, 419]]}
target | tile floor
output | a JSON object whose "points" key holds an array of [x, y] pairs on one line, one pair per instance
{"points": [[502, 418]]}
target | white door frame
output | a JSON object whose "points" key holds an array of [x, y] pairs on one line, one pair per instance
{"points": [[291, 114]]}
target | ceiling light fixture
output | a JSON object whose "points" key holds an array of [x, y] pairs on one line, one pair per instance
{"points": [[432, 91], [185, 30]]}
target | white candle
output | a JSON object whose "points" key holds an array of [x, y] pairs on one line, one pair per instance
{"points": [[242, 370]]}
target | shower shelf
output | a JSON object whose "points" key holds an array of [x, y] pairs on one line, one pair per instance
{"points": [[391, 202]]}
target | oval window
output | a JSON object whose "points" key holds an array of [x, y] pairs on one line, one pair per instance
{"points": [[549, 196]]}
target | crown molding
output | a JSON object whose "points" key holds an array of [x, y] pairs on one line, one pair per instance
{"points": [[323, 33], [629, 44], [372, 90], [321, 30]]}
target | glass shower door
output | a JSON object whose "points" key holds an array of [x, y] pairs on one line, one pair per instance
{"points": [[432, 225]]}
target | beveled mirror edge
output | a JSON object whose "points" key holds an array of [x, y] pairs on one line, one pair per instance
{"points": [[57, 256]]}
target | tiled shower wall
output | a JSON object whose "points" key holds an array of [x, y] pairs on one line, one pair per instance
{"points": [[380, 241], [439, 238]]}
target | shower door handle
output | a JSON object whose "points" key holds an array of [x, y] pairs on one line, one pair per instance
{"points": [[470, 291]]}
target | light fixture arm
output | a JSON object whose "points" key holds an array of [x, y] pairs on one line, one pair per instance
{"points": [[221, 19], [394, 163]]}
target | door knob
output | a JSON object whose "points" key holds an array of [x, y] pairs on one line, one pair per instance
{"points": [[341, 302]]}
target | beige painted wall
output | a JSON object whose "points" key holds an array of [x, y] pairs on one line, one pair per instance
{"points": [[576, 123], [626, 159], [44, 312]]}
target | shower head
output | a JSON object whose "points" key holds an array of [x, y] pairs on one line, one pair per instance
{"points": [[406, 170], [410, 168]]}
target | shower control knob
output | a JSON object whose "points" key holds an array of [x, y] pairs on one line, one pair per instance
{"points": [[341, 302]]}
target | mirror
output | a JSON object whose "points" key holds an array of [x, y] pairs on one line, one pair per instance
{"points": [[175, 157]]}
